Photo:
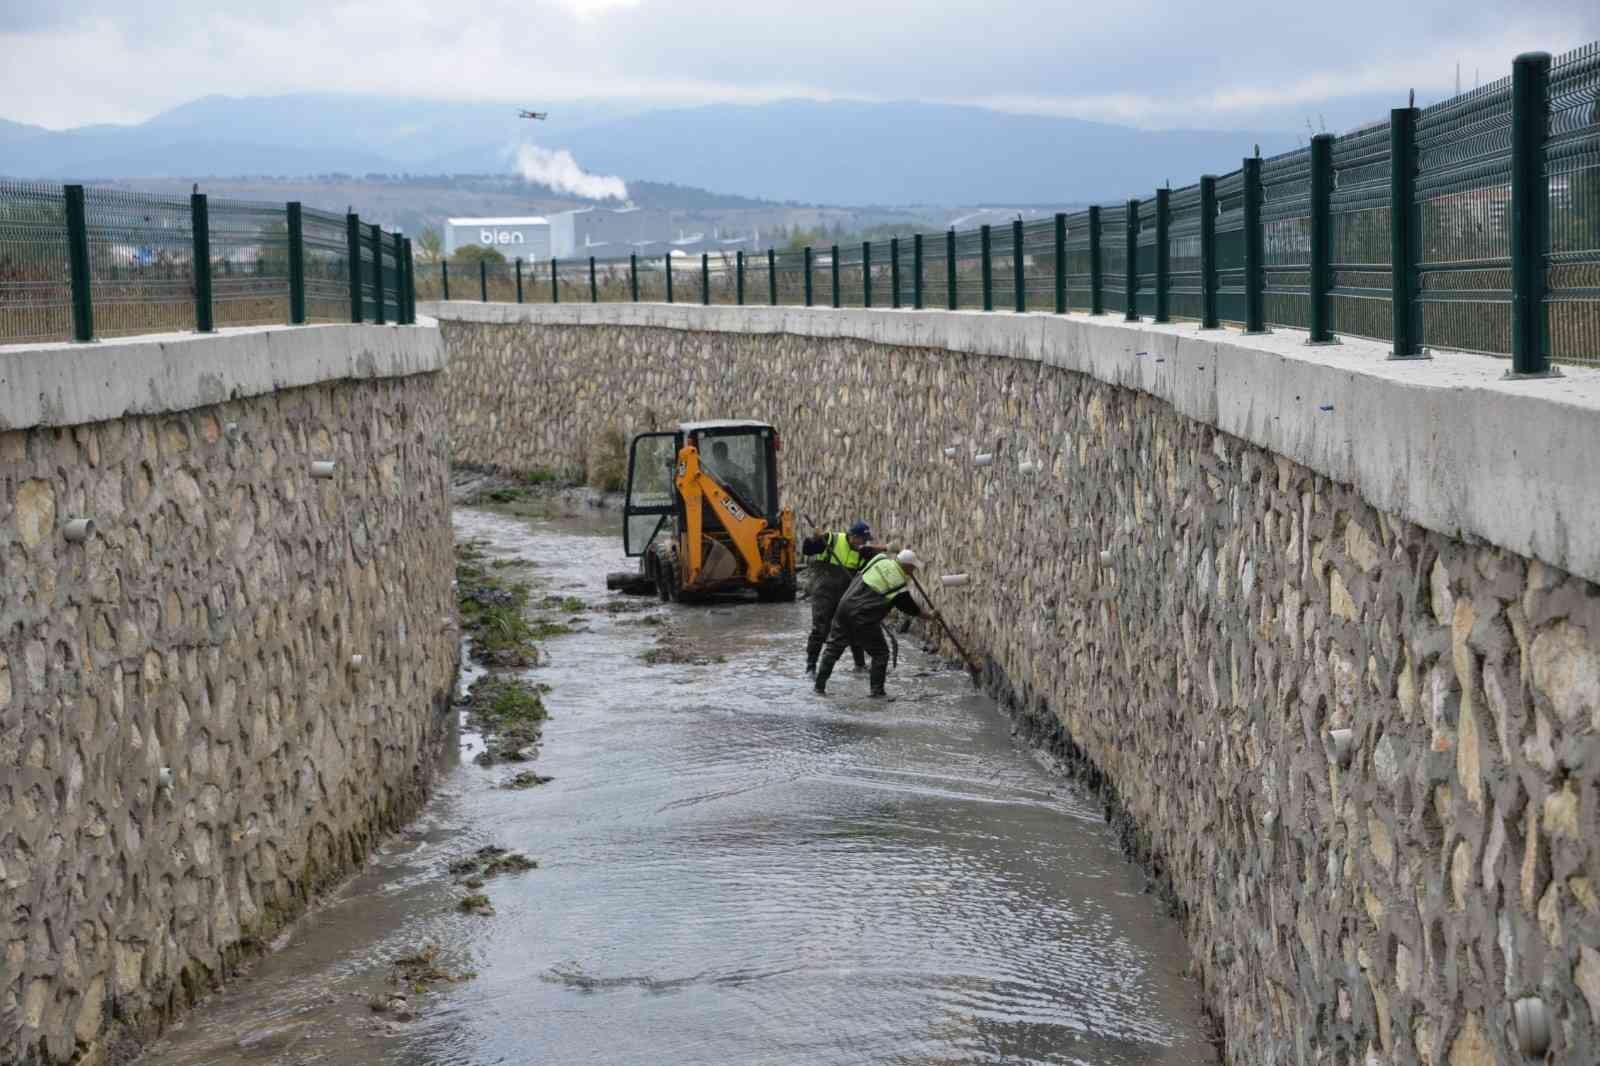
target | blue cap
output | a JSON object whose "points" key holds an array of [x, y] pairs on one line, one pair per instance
{"points": [[861, 529]]}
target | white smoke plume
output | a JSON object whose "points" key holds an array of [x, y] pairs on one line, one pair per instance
{"points": [[559, 170]]}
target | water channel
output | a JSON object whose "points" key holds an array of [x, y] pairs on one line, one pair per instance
{"points": [[732, 870]]}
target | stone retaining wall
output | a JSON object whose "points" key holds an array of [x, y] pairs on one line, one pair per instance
{"points": [[1198, 619], [214, 703]]}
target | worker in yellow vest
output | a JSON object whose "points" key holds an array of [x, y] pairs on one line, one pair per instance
{"points": [[836, 559], [883, 584]]}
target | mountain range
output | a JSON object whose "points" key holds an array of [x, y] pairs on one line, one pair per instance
{"points": [[804, 151]]}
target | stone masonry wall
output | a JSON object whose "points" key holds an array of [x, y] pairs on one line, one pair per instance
{"points": [[189, 745], [1194, 617]]}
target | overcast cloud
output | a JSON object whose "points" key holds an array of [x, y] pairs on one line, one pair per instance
{"points": [[1246, 63]]}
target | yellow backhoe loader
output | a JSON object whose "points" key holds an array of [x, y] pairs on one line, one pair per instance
{"points": [[702, 514]]}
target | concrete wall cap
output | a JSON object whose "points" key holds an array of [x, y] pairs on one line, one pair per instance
{"points": [[1447, 443]]}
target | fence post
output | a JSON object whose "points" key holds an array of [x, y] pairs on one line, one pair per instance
{"points": [[411, 285], [1255, 252], [78, 254], [1130, 270], [1097, 297], [952, 296], [808, 274], [1163, 255], [352, 236], [772, 277], [1061, 263], [594, 286], [375, 238], [1018, 277], [633, 275], [483, 280], [555, 287], [297, 265], [200, 219], [669, 277], [1405, 235], [916, 271], [894, 272], [866, 273], [1322, 240], [1208, 252], [835, 266], [738, 278], [705, 277], [399, 278], [519, 279], [988, 268], [1530, 216], [444, 278]]}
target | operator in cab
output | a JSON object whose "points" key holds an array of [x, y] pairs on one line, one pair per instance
{"points": [[836, 559], [883, 584]]}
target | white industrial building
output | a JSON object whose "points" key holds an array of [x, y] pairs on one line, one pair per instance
{"points": [[515, 238]]}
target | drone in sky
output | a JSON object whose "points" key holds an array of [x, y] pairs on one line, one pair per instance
{"points": [[533, 114]]}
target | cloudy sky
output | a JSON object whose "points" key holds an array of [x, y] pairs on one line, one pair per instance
{"points": [[1220, 64]]}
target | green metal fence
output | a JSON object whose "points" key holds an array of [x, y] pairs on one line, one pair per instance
{"points": [[83, 263], [1471, 225]]}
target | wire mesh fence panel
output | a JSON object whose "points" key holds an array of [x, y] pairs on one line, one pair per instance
{"points": [[392, 297], [327, 266], [35, 266], [969, 268], [1573, 153], [572, 280], [1114, 256], [1362, 297], [499, 278], [791, 278], [1186, 281], [1231, 249], [611, 278], [1145, 261], [755, 278], [851, 276], [935, 271], [1002, 252], [1039, 264], [429, 281], [249, 263], [652, 279], [1286, 238], [141, 255], [724, 278], [1464, 199], [1080, 281], [369, 277]]}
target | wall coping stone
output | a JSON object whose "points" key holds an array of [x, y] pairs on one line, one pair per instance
{"points": [[1447, 443], [65, 384]]}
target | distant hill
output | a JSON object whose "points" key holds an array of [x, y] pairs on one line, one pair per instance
{"points": [[796, 150]]}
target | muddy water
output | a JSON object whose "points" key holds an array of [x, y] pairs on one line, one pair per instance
{"points": [[734, 870]]}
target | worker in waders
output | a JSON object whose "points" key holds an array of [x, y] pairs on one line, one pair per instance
{"points": [[883, 584], [836, 559]]}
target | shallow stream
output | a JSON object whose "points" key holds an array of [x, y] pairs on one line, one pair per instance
{"points": [[732, 870]]}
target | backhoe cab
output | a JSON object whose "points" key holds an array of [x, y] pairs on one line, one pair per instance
{"points": [[702, 513]]}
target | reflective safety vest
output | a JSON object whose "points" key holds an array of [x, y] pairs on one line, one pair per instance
{"points": [[839, 553], [885, 577]]}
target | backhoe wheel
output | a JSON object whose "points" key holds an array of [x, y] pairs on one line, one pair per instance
{"points": [[777, 593]]}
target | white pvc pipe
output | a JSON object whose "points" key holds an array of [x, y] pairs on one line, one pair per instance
{"points": [[79, 530], [950, 453], [323, 468], [983, 459], [954, 580]]}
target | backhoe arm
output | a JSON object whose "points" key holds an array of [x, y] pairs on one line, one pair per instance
{"points": [[697, 485]]}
